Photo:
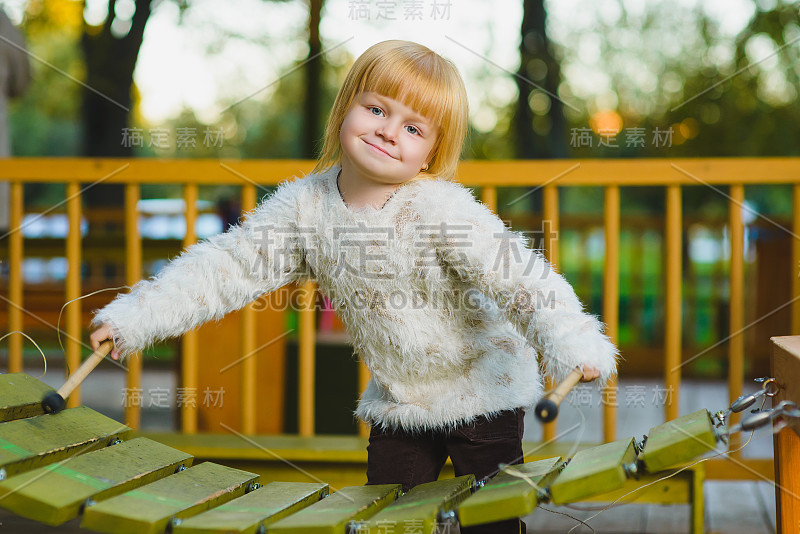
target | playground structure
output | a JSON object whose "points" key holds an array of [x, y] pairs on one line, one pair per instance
{"points": [[260, 384]]}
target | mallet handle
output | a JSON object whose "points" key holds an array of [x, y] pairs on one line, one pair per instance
{"points": [[86, 367], [547, 408]]}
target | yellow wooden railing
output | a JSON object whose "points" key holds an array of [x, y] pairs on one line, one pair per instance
{"points": [[551, 176]]}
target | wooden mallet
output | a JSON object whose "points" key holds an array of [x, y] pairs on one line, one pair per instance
{"points": [[55, 401], [547, 408]]}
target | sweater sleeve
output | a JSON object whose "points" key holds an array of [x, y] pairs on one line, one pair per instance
{"points": [[213, 277], [479, 249]]}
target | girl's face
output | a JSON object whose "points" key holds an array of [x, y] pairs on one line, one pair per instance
{"points": [[384, 140]]}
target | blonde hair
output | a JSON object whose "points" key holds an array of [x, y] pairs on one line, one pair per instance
{"points": [[419, 78]]}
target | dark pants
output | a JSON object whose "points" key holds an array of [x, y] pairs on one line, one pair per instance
{"points": [[398, 457]]}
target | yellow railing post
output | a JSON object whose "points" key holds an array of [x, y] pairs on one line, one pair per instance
{"points": [[72, 343], [247, 334], [133, 273], [550, 236], [306, 360], [489, 197], [736, 341], [363, 380], [15, 281], [611, 303], [190, 348], [673, 297]]}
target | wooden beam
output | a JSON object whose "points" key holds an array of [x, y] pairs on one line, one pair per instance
{"points": [[248, 371], [189, 350], [306, 360], [736, 306], [15, 281], [672, 294], [72, 341], [133, 273], [497, 173], [550, 215], [611, 304]]}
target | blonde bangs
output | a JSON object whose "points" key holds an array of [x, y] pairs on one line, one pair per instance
{"points": [[422, 89]]}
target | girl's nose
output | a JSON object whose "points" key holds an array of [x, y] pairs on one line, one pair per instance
{"points": [[388, 131]]}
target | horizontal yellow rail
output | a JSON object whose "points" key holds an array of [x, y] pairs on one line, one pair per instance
{"points": [[584, 172]]}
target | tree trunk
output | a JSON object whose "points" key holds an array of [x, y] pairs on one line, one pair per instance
{"points": [[110, 62], [536, 47], [312, 129]]}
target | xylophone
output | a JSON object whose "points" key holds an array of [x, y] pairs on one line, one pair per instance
{"points": [[56, 467]]}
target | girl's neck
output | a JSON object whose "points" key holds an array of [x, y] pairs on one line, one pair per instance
{"points": [[358, 192]]}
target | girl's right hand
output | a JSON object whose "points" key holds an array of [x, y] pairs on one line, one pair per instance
{"points": [[103, 334]]}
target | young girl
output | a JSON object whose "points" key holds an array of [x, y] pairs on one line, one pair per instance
{"points": [[446, 306]]}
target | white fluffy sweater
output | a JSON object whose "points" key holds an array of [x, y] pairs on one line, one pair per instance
{"points": [[446, 306]]}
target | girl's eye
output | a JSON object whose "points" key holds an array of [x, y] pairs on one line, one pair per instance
{"points": [[373, 109], [413, 130]]}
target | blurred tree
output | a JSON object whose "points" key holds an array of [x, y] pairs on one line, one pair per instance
{"points": [[60, 35], [722, 93], [110, 50], [312, 127], [539, 121], [532, 125], [45, 121], [281, 125], [748, 105], [665, 81], [15, 76]]}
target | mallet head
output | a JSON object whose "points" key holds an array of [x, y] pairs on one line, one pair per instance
{"points": [[53, 402], [546, 410]]}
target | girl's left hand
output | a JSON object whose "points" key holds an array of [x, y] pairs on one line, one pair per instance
{"points": [[589, 373]]}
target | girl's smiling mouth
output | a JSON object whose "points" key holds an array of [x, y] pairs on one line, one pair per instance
{"points": [[382, 151]]}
